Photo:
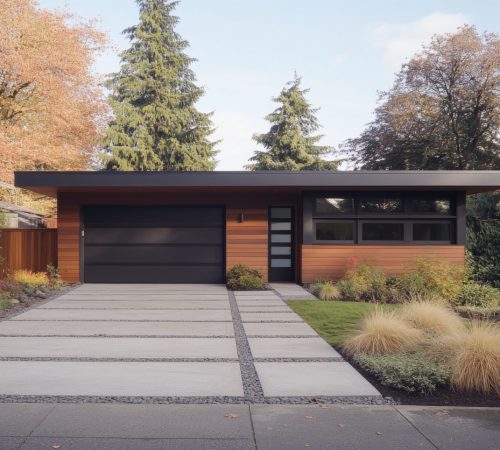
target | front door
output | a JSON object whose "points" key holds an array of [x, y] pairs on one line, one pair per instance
{"points": [[281, 236]]}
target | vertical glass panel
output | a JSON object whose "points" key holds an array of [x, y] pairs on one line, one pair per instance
{"points": [[281, 213], [281, 226], [383, 231], [281, 262], [432, 232], [334, 231], [281, 238], [283, 251], [334, 205], [381, 205], [439, 206]]}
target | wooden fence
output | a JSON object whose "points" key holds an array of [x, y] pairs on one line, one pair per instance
{"points": [[31, 249]]}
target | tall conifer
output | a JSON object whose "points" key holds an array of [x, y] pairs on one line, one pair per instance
{"points": [[290, 143], [156, 125]]}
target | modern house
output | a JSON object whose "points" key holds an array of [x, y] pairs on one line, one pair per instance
{"points": [[189, 227], [18, 217]]}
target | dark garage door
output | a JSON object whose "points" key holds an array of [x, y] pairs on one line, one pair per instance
{"points": [[153, 244]]}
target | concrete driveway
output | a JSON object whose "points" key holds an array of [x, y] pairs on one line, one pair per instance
{"points": [[173, 344]]}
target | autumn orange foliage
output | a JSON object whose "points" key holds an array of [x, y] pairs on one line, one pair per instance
{"points": [[52, 108]]}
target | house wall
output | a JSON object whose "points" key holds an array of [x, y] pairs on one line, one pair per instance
{"points": [[246, 242], [332, 261]]}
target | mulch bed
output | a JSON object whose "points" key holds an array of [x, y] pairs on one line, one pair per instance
{"points": [[442, 396]]}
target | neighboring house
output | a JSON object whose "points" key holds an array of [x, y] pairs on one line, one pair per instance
{"points": [[18, 217], [189, 227]]}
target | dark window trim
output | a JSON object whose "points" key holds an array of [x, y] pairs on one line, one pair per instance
{"points": [[448, 222], [321, 241], [382, 241]]}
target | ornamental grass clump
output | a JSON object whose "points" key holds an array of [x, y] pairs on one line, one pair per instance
{"points": [[325, 290], [31, 279], [432, 317], [383, 332], [475, 359]]}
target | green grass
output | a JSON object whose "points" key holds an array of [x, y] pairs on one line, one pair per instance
{"points": [[4, 304], [334, 320]]}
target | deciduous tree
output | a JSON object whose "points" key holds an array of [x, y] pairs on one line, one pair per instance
{"points": [[52, 109], [290, 143], [156, 125]]}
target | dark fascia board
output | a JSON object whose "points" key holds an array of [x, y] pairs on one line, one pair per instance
{"points": [[49, 183]]}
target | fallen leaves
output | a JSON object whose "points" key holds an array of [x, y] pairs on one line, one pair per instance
{"points": [[232, 416]]}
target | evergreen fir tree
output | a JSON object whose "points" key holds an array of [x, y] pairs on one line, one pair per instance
{"points": [[290, 143], [156, 125]]}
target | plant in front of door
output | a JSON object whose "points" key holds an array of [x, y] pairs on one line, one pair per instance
{"points": [[244, 278]]}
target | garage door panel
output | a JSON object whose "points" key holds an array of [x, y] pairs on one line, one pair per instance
{"points": [[154, 254], [156, 235], [173, 216], [153, 244], [153, 274]]}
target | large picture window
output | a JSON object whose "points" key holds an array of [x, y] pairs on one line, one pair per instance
{"points": [[381, 217]]}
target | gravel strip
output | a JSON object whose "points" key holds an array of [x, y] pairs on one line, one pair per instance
{"points": [[89, 359], [321, 401], [251, 383]]}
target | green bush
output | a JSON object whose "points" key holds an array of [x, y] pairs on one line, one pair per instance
{"points": [[475, 294], [440, 278], [243, 278], [4, 305], [365, 282], [408, 287], [410, 372], [325, 290]]}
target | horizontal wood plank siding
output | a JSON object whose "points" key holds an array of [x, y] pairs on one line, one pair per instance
{"points": [[68, 220], [332, 261], [246, 242], [30, 249]]}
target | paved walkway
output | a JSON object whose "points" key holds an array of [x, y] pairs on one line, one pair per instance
{"points": [[246, 427], [171, 344]]}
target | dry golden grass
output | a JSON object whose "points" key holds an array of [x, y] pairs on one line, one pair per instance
{"points": [[433, 316], [31, 278], [476, 359], [383, 332], [328, 291]]}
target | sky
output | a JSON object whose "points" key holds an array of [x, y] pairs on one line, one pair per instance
{"points": [[344, 50]]}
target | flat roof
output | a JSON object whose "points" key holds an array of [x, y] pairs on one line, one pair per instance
{"points": [[49, 183]]}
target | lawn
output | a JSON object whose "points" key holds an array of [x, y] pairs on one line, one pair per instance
{"points": [[333, 320]]}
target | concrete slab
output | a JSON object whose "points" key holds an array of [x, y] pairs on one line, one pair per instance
{"points": [[292, 291], [293, 427], [143, 297], [263, 298], [11, 443], [311, 379], [277, 329], [21, 420], [120, 378], [134, 444], [250, 293], [137, 314], [270, 317], [76, 328], [260, 303], [147, 421], [291, 348], [135, 304], [456, 428], [150, 287], [264, 308], [64, 347]]}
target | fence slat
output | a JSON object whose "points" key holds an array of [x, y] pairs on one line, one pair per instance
{"points": [[31, 249]]}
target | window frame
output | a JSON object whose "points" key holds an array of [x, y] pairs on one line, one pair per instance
{"points": [[361, 222], [449, 222]]}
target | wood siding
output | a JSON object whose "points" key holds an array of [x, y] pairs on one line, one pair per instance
{"points": [[246, 242], [30, 249], [332, 261]]}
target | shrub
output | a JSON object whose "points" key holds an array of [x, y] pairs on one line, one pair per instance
{"points": [[346, 289], [432, 317], [407, 288], [476, 359], [31, 279], [475, 294], [10, 288], [440, 278], [410, 372], [243, 278], [325, 290], [479, 312], [365, 282], [4, 304], [383, 332]]}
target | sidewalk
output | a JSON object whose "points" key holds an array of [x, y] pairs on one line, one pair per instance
{"points": [[245, 427]]}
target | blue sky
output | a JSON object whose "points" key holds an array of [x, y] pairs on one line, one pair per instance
{"points": [[247, 50]]}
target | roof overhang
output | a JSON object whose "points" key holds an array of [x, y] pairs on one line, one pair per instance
{"points": [[50, 183]]}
